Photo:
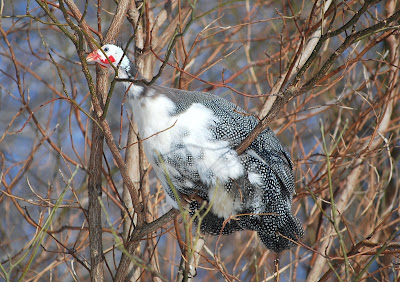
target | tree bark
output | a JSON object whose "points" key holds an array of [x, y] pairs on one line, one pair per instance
{"points": [[94, 189]]}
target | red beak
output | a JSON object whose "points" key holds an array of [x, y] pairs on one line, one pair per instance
{"points": [[93, 57], [97, 57]]}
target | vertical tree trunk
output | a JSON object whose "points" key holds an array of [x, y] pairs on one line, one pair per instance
{"points": [[94, 191], [94, 188], [132, 162]]}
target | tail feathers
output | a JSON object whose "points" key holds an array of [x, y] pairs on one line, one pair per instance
{"points": [[278, 231], [284, 237]]}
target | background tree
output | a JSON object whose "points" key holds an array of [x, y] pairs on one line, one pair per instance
{"points": [[323, 74]]}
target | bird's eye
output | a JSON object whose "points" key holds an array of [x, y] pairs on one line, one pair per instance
{"points": [[106, 49]]}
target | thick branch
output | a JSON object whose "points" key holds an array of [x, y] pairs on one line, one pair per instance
{"points": [[138, 234]]}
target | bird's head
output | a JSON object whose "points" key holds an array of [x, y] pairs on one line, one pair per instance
{"points": [[114, 53]]}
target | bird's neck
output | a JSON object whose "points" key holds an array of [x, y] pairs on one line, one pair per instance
{"points": [[128, 70], [135, 86]]}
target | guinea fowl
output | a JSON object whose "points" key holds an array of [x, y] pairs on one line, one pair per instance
{"points": [[191, 140]]}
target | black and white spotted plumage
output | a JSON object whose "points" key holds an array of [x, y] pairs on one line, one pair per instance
{"points": [[192, 148]]}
